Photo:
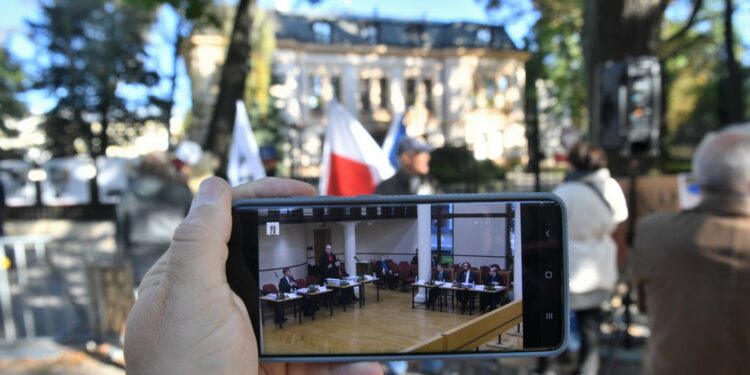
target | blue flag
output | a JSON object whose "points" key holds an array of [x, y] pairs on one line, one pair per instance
{"points": [[396, 133]]}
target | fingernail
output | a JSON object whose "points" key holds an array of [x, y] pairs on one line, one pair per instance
{"points": [[208, 192]]}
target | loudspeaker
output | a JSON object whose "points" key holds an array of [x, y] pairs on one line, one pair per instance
{"points": [[627, 105]]}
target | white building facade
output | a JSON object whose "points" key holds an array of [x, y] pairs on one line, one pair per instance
{"points": [[457, 83]]}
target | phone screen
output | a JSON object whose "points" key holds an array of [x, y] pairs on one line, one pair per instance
{"points": [[401, 278]]}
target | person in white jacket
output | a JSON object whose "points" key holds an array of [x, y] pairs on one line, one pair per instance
{"points": [[596, 206]]}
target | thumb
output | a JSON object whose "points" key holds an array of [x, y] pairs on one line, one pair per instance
{"points": [[198, 253]]}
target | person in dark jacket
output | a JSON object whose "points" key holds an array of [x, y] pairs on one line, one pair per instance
{"points": [[326, 262], [487, 300], [385, 273], [439, 275], [412, 175], [466, 276]]}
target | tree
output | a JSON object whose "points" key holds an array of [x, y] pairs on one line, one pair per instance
{"points": [[735, 111], [191, 14], [231, 84], [11, 83], [93, 56]]}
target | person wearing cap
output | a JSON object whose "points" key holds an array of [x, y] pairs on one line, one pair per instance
{"points": [[412, 175]]}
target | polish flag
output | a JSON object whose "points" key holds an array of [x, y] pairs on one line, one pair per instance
{"points": [[353, 163]]}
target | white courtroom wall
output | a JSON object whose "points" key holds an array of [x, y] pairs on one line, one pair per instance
{"points": [[479, 241], [394, 238], [278, 252]]}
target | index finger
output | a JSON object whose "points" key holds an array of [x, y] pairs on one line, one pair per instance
{"points": [[272, 187]]}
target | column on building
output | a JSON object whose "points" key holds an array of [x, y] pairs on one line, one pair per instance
{"points": [[349, 89], [350, 249], [396, 94], [517, 254], [424, 248]]}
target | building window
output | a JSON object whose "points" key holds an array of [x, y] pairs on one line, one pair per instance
{"points": [[322, 32], [364, 95], [385, 97], [489, 90], [369, 33], [315, 100], [442, 234], [484, 37], [416, 34], [411, 92], [428, 94], [336, 86]]}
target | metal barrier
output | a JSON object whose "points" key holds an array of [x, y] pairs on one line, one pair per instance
{"points": [[33, 299]]}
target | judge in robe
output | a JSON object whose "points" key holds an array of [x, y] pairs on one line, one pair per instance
{"points": [[326, 262]]}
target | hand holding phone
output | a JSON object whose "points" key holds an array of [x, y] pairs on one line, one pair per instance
{"points": [[186, 319], [521, 236]]}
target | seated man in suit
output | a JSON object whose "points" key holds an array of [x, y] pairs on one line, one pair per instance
{"points": [[326, 262], [466, 276], [489, 300], [439, 275], [385, 273], [286, 285]]}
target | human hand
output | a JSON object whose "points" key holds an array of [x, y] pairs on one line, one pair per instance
{"points": [[186, 319]]}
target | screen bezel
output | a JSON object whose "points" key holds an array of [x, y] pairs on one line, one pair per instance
{"points": [[243, 280]]}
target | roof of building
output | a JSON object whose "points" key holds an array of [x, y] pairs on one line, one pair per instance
{"points": [[349, 30]]}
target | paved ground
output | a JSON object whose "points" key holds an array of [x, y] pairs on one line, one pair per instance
{"points": [[54, 304]]}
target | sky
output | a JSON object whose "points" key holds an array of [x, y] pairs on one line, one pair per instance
{"points": [[13, 31]]}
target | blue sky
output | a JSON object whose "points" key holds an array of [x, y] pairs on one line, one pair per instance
{"points": [[13, 30]]}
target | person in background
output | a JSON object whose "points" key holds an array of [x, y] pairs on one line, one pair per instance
{"points": [[415, 258], [2, 209], [412, 176], [466, 276], [595, 207], [692, 268], [489, 301], [287, 283], [153, 206], [326, 262], [438, 275], [385, 273]]}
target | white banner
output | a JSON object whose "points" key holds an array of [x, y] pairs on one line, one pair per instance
{"points": [[112, 178], [19, 190], [67, 182]]}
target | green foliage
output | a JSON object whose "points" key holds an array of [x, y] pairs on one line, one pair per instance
{"points": [[444, 161], [264, 116], [95, 51], [558, 34], [11, 82], [694, 77], [199, 12]]}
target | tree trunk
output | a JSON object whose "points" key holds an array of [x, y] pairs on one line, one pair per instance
{"points": [[734, 91], [173, 90], [231, 85]]}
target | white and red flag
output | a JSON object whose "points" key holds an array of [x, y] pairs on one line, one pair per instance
{"points": [[353, 163]]}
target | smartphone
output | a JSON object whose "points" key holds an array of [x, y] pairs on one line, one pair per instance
{"points": [[402, 277]]}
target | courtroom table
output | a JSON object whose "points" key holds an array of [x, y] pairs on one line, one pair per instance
{"points": [[279, 304], [326, 293], [373, 281], [443, 288], [339, 290]]}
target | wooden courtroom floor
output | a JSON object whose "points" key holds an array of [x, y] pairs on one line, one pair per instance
{"points": [[390, 325]]}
